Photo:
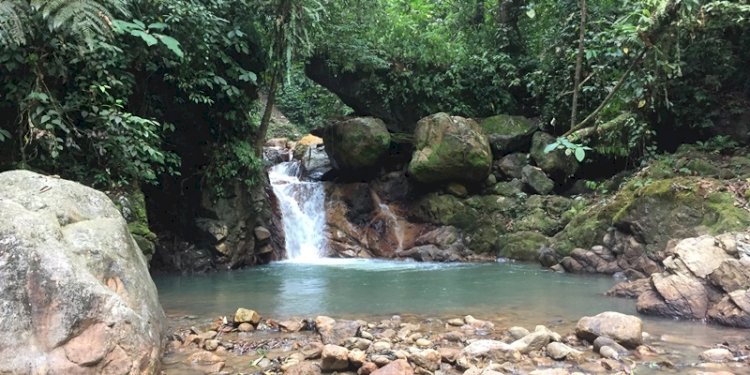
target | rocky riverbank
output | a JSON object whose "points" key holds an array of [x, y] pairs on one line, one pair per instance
{"points": [[606, 343]]}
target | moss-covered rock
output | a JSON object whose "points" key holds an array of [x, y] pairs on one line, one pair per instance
{"points": [[537, 180], [521, 245], [445, 209], [512, 188], [356, 144], [556, 164], [449, 148], [508, 134], [132, 206], [543, 214], [657, 211]]}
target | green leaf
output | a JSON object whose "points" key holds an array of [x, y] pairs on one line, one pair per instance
{"points": [[160, 26], [172, 44], [148, 38], [531, 13], [580, 154], [551, 147], [4, 134]]}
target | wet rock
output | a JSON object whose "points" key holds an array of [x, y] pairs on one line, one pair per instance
{"points": [[423, 343], [334, 358], [536, 179], [357, 343], [625, 329], [336, 331], [243, 315], [206, 361], [211, 345], [717, 355], [246, 327], [609, 352], [398, 367], [630, 289], [76, 292], [449, 148], [728, 313], [678, 295], [262, 233], [481, 348], [304, 368], [559, 351], [532, 342], [731, 275], [449, 355], [602, 341]]}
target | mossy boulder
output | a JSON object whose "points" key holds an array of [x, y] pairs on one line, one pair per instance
{"points": [[445, 209], [508, 134], [510, 166], [537, 180], [657, 211], [544, 214], [555, 164], [449, 148], [356, 144], [522, 245], [132, 206]]}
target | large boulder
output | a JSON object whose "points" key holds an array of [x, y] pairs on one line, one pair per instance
{"points": [[625, 329], [356, 144], [508, 134], [556, 164], [77, 297], [450, 148]]}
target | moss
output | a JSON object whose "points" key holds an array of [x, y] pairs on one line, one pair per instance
{"points": [[506, 125], [521, 245], [444, 209], [747, 194], [723, 216]]}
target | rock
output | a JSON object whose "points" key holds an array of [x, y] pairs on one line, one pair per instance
{"points": [[524, 245], [625, 329], [482, 348], [449, 355], [76, 293], [367, 368], [701, 255], [531, 342], [630, 289], [336, 332], [555, 164], [312, 350], [356, 144], [550, 371], [427, 359], [315, 163], [398, 367], [508, 133], [205, 361], [305, 143], [511, 166], [609, 352], [211, 345], [304, 368], [246, 327], [334, 358], [728, 313], [381, 347], [424, 343], [602, 341], [357, 343], [717, 355], [682, 296], [536, 179], [449, 149], [456, 322], [357, 357], [731, 275], [262, 233], [243, 315], [518, 332], [559, 351]]}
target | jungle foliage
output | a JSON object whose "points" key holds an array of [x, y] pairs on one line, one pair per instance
{"points": [[118, 92]]}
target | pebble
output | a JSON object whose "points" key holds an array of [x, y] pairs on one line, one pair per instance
{"points": [[424, 343]]}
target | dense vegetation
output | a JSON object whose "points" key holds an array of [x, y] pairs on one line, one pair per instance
{"points": [[119, 92]]}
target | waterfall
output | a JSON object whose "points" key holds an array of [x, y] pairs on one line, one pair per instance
{"points": [[303, 215]]}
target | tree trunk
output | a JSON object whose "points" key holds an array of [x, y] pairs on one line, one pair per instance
{"points": [[579, 66]]}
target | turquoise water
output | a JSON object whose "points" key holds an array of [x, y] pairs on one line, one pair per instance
{"points": [[383, 288]]}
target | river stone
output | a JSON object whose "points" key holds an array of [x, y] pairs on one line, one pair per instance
{"points": [[356, 144], [336, 332], [243, 315], [731, 275], [536, 179], [206, 361], [559, 351], [701, 255], [449, 148], [304, 368], [334, 358], [717, 355], [606, 341], [508, 133], [625, 329], [511, 166], [428, 359], [312, 350], [532, 342], [609, 352], [398, 367], [481, 348], [76, 293], [357, 357], [518, 332]]}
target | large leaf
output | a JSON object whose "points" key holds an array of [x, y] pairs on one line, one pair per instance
{"points": [[172, 44]]}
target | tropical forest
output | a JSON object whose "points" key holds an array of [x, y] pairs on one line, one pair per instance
{"points": [[375, 187]]}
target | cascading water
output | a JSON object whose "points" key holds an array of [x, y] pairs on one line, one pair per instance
{"points": [[302, 205]]}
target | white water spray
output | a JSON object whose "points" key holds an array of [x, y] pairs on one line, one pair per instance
{"points": [[302, 205]]}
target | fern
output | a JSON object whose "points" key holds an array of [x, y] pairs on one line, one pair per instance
{"points": [[12, 15], [82, 18]]}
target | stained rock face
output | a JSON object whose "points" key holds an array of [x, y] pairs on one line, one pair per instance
{"points": [[76, 296]]}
